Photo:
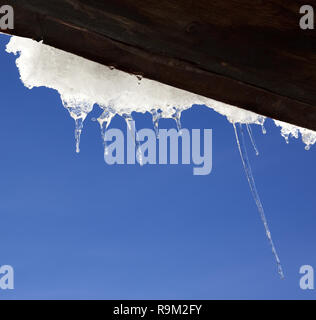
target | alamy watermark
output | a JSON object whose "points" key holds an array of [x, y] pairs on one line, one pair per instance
{"points": [[141, 147], [307, 20], [6, 277], [307, 280], [6, 17]]}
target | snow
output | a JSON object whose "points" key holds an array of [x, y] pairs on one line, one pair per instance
{"points": [[288, 130], [82, 83]]}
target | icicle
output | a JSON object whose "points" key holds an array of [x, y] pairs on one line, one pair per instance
{"points": [[177, 117], [260, 121], [157, 114], [244, 157], [78, 130], [139, 156], [104, 121], [252, 139], [78, 111]]}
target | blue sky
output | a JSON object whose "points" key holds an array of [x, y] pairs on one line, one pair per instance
{"points": [[74, 227]]}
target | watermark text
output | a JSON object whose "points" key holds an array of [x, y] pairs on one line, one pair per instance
{"points": [[6, 17]]}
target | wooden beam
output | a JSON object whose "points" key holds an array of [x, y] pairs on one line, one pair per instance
{"points": [[247, 53]]}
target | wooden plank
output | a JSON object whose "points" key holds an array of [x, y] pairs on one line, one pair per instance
{"points": [[247, 53]]}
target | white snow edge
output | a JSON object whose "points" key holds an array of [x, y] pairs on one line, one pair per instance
{"points": [[82, 83]]}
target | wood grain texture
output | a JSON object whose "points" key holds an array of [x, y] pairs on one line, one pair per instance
{"points": [[248, 53]]}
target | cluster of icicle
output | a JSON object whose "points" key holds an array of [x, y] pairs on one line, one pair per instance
{"points": [[82, 84]]}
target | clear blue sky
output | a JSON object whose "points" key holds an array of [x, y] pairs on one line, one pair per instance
{"points": [[74, 227]]}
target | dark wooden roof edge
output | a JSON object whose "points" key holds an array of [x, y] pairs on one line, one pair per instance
{"points": [[181, 73]]}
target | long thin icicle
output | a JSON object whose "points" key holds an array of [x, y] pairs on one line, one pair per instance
{"points": [[252, 139], [245, 160]]}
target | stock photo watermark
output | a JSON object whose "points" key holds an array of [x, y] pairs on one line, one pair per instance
{"points": [[6, 17], [307, 280], [141, 146], [6, 277], [307, 20]]}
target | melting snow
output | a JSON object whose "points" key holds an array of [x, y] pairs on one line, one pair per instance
{"points": [[82, 83]]}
